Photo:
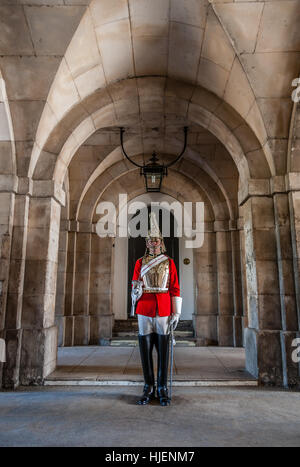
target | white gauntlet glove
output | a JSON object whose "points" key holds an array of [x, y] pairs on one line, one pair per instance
{"points": [[176, 312]]}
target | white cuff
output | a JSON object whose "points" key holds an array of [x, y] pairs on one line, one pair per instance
{"points": [[176, 306], [2, 351]]}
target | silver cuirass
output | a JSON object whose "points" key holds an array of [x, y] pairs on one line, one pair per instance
{"points": [[156, 280]]}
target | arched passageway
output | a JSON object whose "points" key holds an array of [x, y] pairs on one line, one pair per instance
{"points": [[152, 72]]}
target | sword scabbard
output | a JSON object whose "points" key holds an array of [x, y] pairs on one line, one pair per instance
{"points": [[171, 362]]}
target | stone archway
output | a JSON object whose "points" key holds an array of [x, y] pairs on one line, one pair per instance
{"points": [[120, 304], [212, 76]]}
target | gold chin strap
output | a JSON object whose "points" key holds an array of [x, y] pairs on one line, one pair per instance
{"points": [[162, 248]]}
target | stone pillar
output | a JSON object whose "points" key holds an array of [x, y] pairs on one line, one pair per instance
{"points": [[39, 339], [69, 294], [60, 319], [205, 272], [263, 335], [7, 201], [81, 289], [13, 330], [243, 277], [294, 204], [287, 287], [237, 289], [225, 286], [100, 307], [8, 186]]}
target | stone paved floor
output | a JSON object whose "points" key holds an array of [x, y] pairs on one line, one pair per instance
{"points": [[123, 364], [109, 416]]}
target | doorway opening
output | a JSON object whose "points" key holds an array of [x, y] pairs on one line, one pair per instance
{"points": [[137, 246]]}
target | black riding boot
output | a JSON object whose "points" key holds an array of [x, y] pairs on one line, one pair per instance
{"points": [[162, 368], [146, 347]]}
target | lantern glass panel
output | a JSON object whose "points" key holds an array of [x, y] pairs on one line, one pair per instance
{"points": [[153, 182], [153, 178]]}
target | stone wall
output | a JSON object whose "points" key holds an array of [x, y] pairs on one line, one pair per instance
{"points": [[270, 256], [215, 66], [83, 312]]}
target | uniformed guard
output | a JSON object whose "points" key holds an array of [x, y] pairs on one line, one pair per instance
{"points": [[157, 293]]}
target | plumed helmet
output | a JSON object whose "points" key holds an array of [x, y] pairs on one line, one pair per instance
{"points": [[155, 232]]}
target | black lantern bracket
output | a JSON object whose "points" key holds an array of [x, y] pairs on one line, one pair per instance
{"points": [[154, 172]]}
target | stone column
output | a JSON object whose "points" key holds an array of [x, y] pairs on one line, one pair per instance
{"points": [[60, 319], [243, 277], [81, 289], [225, 285], [13, 330], [237, 289], [7, 201], [39, 340], [205, 272], [69, 293], [263, 336], [287, 287], [294, 205], [8, 186], [100, 309]]}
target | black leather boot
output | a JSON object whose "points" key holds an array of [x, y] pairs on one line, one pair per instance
{"points": [[162, 369], [146, 344]]}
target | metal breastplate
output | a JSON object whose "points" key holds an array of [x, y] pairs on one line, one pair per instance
{"points": [[157, 279]]}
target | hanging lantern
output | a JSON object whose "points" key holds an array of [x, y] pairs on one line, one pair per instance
{"points": [[153, 172]]}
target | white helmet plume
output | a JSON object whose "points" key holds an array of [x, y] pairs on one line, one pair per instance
{"points": [[154, 227]]}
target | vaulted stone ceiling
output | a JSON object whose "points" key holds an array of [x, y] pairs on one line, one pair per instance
{"points": [[71, 73], [74, 69], [207, 163]]}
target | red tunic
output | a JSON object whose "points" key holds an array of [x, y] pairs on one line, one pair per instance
{"points": [[149, 303]]}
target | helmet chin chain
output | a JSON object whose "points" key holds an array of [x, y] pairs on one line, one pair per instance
{"points": [[162, 250]]}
